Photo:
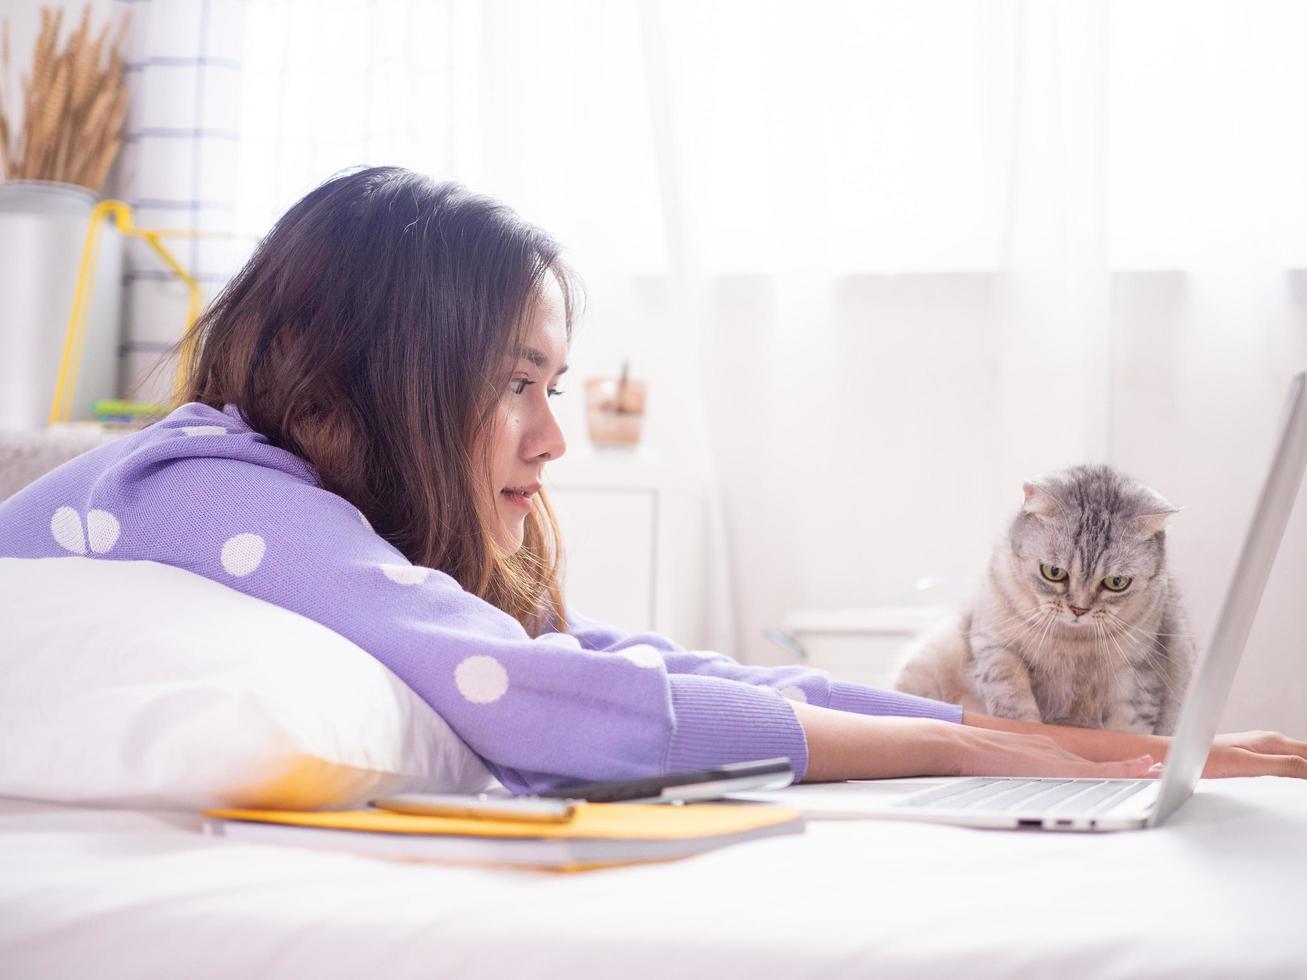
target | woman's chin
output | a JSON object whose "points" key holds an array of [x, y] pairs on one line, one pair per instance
{"points": [[509, 538]]}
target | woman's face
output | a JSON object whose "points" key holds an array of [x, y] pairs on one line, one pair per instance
{"points": [[526, 434]]}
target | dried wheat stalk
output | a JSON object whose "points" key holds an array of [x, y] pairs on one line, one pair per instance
{"points": [[74, 104]]}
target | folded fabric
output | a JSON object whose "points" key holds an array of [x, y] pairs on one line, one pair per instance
{"points": [[138, 684]]}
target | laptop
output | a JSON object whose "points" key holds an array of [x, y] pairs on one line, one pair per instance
{"points": [[1102, 804]]}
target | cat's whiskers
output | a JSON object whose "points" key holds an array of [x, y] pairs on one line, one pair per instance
{"points": [[1114, 648], [1156, 664], [1098, 634], [1138, 629], [1050, 620], [1117, 651], [1100, 639], [1112, 645], [1119, 628], [1018, 619], [1016, 627], [1145, 643], [1017, 633]]}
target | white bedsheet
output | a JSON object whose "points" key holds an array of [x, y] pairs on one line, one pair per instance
{"points": [[1220, 891]]}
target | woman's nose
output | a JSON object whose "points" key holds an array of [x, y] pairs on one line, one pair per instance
{"points": [[548, 441]]}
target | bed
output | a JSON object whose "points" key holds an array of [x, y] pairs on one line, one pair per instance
{"points": [[1220, 891]]}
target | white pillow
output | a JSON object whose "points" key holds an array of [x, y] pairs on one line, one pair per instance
{"points": [[137, 684]]}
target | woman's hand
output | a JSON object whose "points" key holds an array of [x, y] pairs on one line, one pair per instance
{"points": [[1241, 754], [1256, 754]]}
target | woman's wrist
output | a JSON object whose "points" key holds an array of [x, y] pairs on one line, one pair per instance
{"points": [[845, 745], [1096, 744]]}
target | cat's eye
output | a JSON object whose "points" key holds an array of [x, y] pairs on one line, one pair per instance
{"points": [[1053, 573], [1117, 583]]}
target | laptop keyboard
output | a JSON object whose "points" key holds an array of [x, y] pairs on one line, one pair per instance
{"points": [[1079, 796]]}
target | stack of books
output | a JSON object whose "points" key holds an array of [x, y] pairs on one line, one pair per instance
{"points": [[597, 835]]}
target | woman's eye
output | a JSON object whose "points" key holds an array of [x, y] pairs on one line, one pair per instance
{"points": [[519, 385], [1053, 573], [1117, 583]]}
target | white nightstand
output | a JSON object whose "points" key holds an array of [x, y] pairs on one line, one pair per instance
{"points": [[865, 646], [637, 543]]}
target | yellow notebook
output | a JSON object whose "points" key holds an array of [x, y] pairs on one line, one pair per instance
{"points": [[599, 835]]}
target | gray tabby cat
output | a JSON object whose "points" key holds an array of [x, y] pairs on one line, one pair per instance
{"points": [[1077, 622]]}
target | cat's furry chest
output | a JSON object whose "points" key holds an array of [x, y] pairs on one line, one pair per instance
{"points": [[1075, 688]]}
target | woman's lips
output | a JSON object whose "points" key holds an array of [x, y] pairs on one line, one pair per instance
{"points": [[520, 497]]}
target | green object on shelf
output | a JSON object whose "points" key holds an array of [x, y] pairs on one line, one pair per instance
{"points": [[114, 407], [126, 414]]}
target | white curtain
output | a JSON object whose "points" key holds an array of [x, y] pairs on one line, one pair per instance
{"points": [[177, 168], [879, 261]]}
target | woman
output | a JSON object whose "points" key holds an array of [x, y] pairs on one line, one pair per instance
{"points": [[361, 437]]}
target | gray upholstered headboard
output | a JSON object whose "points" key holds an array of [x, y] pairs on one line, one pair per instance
{"points": [[26, 454]]}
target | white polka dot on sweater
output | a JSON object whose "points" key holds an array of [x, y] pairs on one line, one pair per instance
{"points": [[102, 528], [66, 526], [363, 518], [794, 694], [481, 679], [242, 553], [643, 656], [204, 430], [406, 574]]}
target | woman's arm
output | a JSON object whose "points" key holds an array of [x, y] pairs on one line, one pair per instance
{"points": [[1091, 743], [1240, 754], [793, 681], [842, 745]]}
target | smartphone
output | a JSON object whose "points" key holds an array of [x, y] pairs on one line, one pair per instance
{"points": [[684, 787]]}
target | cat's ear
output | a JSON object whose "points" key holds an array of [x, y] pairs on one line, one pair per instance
{"points": [[1039, 501], [1157, 511]]}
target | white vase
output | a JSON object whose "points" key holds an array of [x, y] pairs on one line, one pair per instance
{"points": [[42, 233]]}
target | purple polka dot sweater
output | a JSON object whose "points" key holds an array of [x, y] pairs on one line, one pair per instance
{"points": [[200, 490]]}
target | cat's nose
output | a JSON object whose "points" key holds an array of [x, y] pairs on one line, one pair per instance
{"points": [[1078, 611]]}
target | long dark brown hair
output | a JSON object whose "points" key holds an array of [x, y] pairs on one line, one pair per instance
{"points": [[372, 333]]}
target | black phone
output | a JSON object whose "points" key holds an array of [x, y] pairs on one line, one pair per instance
{"points": [[705, 784]]}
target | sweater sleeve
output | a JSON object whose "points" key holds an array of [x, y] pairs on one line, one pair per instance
{"points": [[794, 682], [542, 712]]}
